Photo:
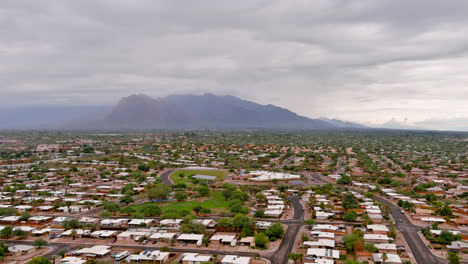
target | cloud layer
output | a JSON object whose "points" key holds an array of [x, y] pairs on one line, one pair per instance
{"points": [[367, 61]]}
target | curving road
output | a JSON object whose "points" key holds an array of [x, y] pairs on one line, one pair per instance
{"points": [[421, 253], [281, 256], [165, 177]]}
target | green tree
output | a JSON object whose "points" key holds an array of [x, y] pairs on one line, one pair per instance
{"points": [[6, 232], [296, 257], [158, 192], [180, 196], [197, 208], [205, 211], [350, 201], [370, 247], [350, 216], [444, 211], [344, 180], [127, 199], [3, 249], [24, 216], [261, 240], [127, 210], [351, 241], [20, 233], [39, 243], [275, 231], [453, 258], [71, 223], [151, 210], [112, 207], [192, 228], [203, 190], [39, 260]]}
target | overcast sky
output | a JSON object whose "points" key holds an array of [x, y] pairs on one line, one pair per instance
{"points": [[366, 61]]}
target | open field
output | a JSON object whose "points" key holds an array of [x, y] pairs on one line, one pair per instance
{"points": [[215, 202], [183, 176]]}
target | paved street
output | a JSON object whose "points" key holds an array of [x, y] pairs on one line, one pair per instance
{"points": [[420, 251], [287, 244], [165, 177]]}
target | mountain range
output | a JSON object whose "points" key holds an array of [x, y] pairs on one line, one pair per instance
{"points": [[206, 111]]}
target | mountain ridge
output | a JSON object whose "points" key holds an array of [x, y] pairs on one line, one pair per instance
{"points": [[207, 111]]}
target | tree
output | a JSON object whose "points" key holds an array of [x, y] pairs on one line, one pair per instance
{"points": [[71, 223], [158, 192], [205, 211], [296, 257], [39, 243], [192, 228], [24, 216], [261, 240], [344, 180], [350, 201], [446, 237], [261, 198], [6, 232], [3, 249], [127, 210], [259, 213], [105, 214], [453, 258], [444, 211], [275, 231], [370, 247], [197, 208], [73, 234], [39, 260], [350, 216], [20, 233], [203, 190], [351, 240], [227, 193], [112, 207], [127, 199], [180, 196], [151, 210]]}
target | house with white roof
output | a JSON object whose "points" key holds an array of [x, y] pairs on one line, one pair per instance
{"points": [[233, 259], [220, 239], [155, 256], [163, 236], [72, 260], [386, 258], [98, 251], [190, 238], [322, 253], [195, 258], [376, 238]]}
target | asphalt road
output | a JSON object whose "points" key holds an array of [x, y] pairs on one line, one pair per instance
{"points": [[421, 253], [294, 226], [165, 177]]}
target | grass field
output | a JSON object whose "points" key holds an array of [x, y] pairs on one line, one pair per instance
{"points": [[214, 201], [176, 176]]}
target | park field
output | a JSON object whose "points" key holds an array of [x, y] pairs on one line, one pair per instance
{"points": [[214, 202], [183, 176]]}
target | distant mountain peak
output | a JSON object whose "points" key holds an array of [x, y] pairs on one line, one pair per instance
{"points": [[206, 111]]}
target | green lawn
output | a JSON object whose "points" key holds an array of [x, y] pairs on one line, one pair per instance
{"points": [[176, 178], [214, 201]]}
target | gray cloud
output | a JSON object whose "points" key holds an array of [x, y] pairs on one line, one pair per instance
{"points": [[366, 61]]}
